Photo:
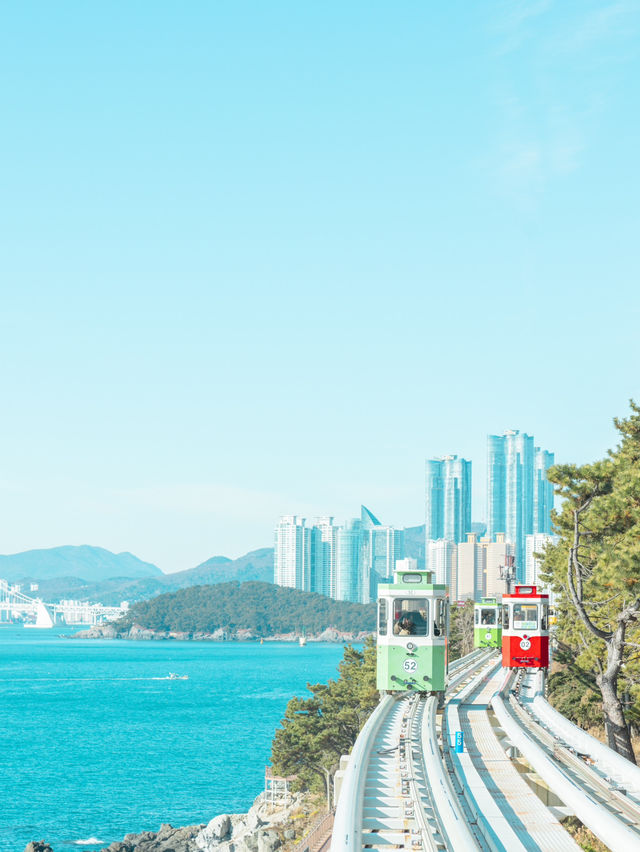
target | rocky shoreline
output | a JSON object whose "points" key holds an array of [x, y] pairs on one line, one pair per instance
{"points": [[137, 632], [264, 828]]}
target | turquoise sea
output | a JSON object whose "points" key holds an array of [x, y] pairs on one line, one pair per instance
{"points": [[95, 744]]}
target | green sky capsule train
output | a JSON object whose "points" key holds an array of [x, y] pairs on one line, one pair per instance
{"points": [[413, 625], [487, 624]]}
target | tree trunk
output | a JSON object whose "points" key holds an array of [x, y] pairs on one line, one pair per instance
{"points": [[327, 787], [618, 735]]}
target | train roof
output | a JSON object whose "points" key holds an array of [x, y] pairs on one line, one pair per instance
{"points": [[522, 591], [488, 602], [414, 580]]}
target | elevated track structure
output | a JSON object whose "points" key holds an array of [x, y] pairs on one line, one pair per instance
{"points": [[522, 768]]}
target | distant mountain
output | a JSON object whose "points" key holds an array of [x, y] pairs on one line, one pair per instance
{"points": [[254, 566], [92, 564], [95, 574]]}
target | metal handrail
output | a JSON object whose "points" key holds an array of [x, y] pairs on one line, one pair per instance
{"points": [[612, 831], [347, 826], [585, 743], [453, 824]]}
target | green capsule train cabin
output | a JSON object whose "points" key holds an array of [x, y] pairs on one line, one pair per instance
{"points": [[487, 624], [413, 622]]}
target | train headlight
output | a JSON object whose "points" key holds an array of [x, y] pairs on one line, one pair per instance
{"points": [[410, 646]]}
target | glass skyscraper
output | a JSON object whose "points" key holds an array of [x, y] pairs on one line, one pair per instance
{"points": [[447, 500], [349, 561], [542, 492], [382, 545], [519, 497]]}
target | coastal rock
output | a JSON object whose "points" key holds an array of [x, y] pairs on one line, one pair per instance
{"points": [[138, 632], [244, 634], [38, 846], [214, 832], [250, 832], [98, 631], [331, 635], [268, 841], [168, 839], [253, 820]]}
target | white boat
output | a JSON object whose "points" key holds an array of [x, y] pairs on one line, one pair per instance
{"points": [[302, 640]]}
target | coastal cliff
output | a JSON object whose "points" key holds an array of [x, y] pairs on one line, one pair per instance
{"points": [[113, 630], [264, 828]]}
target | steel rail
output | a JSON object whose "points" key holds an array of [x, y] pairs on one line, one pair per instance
{"points": [[469, 774], [609, 796], [347, 833], [609, 828], [454, 827], [428, 835], [347, 825], [608, 761], [461, 661]]}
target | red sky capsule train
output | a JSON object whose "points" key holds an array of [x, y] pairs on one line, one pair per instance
{"points": [[413, 626], [519, 625]]}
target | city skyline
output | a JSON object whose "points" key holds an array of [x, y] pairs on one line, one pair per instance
{"points": [[344, 561]]}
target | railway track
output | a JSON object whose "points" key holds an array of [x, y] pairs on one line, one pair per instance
{"points": [[613, 817], [396, 793]]}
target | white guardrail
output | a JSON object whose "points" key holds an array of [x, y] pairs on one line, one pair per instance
{"points": [[607, 759], [347, 826], [617, 836], [458, 836]]}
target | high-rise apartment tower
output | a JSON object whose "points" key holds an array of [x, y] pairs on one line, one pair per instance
{"points": [[447, 500], [519, 497]]}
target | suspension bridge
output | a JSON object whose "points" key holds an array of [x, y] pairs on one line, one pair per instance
{"points": [[16, 606]]}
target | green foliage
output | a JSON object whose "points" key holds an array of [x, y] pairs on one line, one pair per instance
{"points": [[316, 731], [574, 693], [263, 608], [461, 630], [602, 505]]}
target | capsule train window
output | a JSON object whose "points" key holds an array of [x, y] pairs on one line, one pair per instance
{"points": [[382, 617], [411, 617]]}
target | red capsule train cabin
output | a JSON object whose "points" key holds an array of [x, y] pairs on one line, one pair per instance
{"points": [[525, 629]]}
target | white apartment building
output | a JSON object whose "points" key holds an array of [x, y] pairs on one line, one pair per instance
{"points": [[499, 555], [471, 568], [442, 559], [292, 553], [323, 556]]}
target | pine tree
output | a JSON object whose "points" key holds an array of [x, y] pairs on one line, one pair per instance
{"points": [[596, 568]]}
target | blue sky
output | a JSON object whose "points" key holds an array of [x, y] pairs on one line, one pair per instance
{"points": [[261, 258]]}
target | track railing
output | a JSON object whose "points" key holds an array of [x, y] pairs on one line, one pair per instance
{"points": [[347, 829], [611, 830], [627, 774], [347, 825], [453, 824]]}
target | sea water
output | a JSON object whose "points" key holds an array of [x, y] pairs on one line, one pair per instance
{"points": [[96, 742]]}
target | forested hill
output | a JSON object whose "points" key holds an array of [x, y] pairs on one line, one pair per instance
{"points": [[263, 608]]}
